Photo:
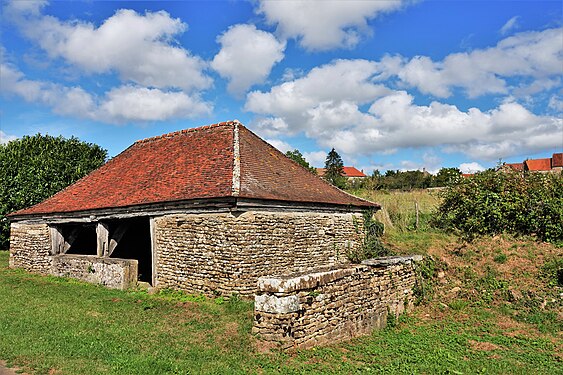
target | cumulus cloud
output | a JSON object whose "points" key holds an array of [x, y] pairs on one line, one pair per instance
{"points": [[280, 145], [324, 25], [140, 48], [130, 103], [327, 98], [122, 104], [537, 55], [335, 115], [246, 57], [316, 158], [472, 167], [5, 138], [511, 24]]}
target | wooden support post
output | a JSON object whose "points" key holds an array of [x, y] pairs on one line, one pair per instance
{"points": [[57, 241], [102, 233], [153, 250]]}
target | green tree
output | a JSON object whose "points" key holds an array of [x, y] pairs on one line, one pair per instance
{"points": [[297, 157], [334, 169], [447, 176], [33, 168]]}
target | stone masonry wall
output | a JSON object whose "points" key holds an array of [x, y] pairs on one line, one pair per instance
{"points": [[110, 272], [328, 305], [226, 253], [30, 247]]}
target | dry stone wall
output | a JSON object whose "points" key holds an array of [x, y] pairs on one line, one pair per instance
{"points": [[338, 303], [30, 247], [110, 272], [226, 253]]}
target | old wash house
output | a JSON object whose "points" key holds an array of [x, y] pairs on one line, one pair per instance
{"points": [[206, 210]]}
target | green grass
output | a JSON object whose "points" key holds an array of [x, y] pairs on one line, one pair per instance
{"points": [[61, 326]]}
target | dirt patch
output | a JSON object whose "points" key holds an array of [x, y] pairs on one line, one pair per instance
{"points": [[483, 345]]}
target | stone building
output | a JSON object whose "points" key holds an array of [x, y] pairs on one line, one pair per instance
{"points": [[206, 210]]}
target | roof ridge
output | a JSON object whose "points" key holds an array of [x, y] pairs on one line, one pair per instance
{"points": [[235, 188], [186, 131]]}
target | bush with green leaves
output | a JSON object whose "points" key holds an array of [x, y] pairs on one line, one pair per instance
{"points": [[491, 203], [34, 168], [372, 246]]}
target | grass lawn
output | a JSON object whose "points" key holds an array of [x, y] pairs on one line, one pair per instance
{"points": [[59, 326]]}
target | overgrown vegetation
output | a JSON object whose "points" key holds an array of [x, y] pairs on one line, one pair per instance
{"points": [[33, 168], [372, 245], [491, 203]]}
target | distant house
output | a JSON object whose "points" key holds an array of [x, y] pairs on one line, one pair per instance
{"points": [[544, 165], [349, 172]]}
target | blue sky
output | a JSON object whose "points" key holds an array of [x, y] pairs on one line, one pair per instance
{"points": [[389, 84]]}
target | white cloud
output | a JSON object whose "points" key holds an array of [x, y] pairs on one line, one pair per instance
{"points": [[472, 167], [130, 103], [509, 25], [556, 103], [316, 158], [334, 116], [246, 57], [122, 104], [327, 98], [323, 25], [5, 138], [280, 145], [529, 54], [138, 47]]}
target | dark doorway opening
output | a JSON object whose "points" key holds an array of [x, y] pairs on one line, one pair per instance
{"points": [[81, 237], [133, 242]]}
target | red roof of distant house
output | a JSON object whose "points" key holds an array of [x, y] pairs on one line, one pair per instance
{"points": [[215, 161], [516, 166], [348, 172], [557, 160], [467, 175], [538, 164]]}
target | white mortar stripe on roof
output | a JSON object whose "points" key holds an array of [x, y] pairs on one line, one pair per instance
{"points": [[236, 162]]}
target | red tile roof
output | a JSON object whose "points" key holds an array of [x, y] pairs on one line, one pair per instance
{"points": [[205, 162], [557, 160], [516, 166], [348, 172], [538, 164], [353, 172]]}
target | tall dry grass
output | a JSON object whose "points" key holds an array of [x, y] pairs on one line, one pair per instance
{"points": [[399, 208]]}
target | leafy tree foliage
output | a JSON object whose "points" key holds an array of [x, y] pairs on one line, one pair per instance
{"points": [[297, 157], [334, 169], [408, 180], [33, 168], [494, 202], [447, 176]]}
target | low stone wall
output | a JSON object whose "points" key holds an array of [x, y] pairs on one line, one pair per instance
{"points": [[30, 247], [111, 272], [331, 304], [224, 253]]}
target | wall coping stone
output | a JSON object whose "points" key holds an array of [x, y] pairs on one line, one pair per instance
{"points": [[388, 261], [324, 275]]}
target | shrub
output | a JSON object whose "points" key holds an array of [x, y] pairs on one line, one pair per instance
{"points": [[371, 246], [33, 168], [491, 203]]}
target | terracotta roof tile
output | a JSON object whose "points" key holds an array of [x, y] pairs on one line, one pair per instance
{"points": [[348, 172], [538, 164], [516, 166], [194, 164], [557, 160]]}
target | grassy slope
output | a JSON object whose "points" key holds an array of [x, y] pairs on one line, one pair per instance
{"points": [[490, 312]]}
